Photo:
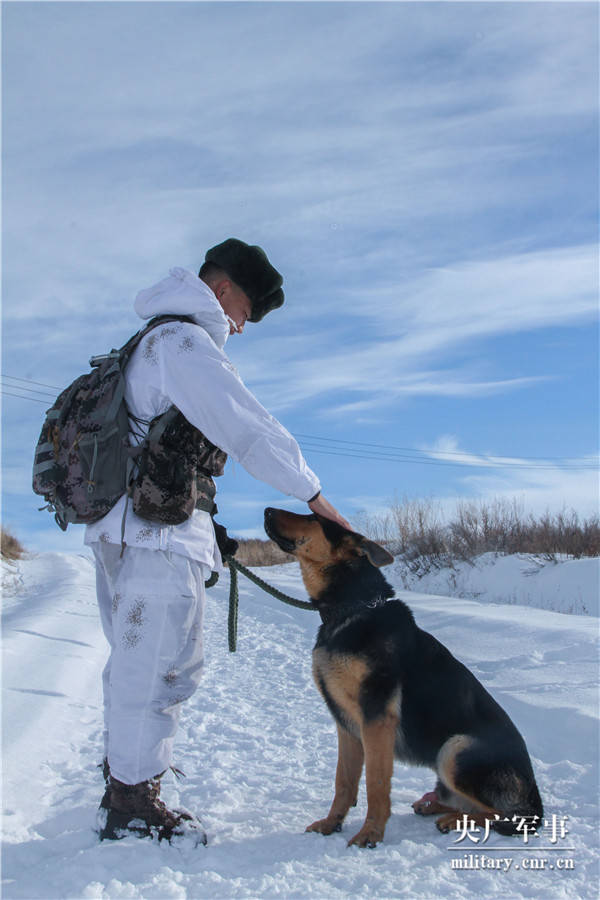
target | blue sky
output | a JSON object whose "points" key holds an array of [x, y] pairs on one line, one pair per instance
{"points": [[424, 175]]}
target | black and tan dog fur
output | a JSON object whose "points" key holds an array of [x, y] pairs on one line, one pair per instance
{"points": [[396, 691]]}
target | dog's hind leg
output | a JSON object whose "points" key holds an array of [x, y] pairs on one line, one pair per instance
{"points": [[347, 777], [459, 788], [378, 739], [494, 779]]}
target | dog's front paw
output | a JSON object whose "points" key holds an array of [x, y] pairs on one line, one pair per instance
{"points": [[325, 826], [368, 836]]}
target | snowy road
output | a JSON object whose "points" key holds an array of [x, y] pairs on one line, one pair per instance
{"points": [[259, 750]]}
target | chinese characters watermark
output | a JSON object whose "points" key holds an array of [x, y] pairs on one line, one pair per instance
{"points": [[553, 829], [524, 826]]}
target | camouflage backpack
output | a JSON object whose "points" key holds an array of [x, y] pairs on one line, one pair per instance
{"points": [[83, 459], [174, 471]]}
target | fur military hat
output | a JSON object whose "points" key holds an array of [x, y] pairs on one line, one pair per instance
{"points": [[249, 267]]}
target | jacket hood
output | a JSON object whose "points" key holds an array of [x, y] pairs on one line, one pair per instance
{"points": [[183, 293]]}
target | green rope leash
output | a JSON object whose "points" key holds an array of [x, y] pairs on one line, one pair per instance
{"points": [[234, 598]]}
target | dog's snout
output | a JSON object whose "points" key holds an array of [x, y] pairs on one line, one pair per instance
{"points": [[269, 520], [276, 529]]}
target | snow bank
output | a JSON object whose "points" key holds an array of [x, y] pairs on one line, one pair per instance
{"points": [[563, 585], [259, 750]]}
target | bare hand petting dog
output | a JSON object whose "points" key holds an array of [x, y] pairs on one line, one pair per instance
{"points": [[323, 507]]}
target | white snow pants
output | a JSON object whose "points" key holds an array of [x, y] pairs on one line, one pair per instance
{"points": [[151, 607]]}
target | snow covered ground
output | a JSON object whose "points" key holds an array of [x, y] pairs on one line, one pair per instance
{"points": [[560, 584], [259, 750]]}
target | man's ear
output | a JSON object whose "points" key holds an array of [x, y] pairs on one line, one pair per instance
{"points": [[375, 553], [221, 286]]}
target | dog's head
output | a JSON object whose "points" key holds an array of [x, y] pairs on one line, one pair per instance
{"points": [[321, 545]]}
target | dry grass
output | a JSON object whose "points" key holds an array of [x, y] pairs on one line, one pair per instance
{"points": [[10, 547], [419, 533], [256, 552]]}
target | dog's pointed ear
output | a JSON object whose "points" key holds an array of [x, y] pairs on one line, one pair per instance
{"points": [[375, 553], [333, 531]]}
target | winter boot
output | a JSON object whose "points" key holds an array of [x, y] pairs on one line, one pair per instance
{"points": [[136, 809]]}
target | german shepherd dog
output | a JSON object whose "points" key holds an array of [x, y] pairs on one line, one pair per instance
{"points": [[396, 691]]}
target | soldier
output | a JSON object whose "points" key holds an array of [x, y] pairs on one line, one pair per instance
{"points": [[150, 573]]}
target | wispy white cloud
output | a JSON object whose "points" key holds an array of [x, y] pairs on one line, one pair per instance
{"points": [[539, 491], [440, 384], [438, 317], [447, 449], [550, 491], [502, 295], [175, 154], [539, 484]]}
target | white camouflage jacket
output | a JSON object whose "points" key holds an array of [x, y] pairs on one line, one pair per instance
{"points": [[183, 364]]}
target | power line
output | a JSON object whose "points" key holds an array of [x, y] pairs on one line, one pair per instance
{"points": [[28, 381], [29, 393], [355, 449], [482, 463], [312, 437], [23, 397]]}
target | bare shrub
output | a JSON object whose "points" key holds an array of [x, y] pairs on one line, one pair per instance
{"points": [[379, 527], [498, 527], [563, 533], [10, 547], [257, 552], [419, 533]]}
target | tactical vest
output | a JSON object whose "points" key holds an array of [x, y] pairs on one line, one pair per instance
{"points": [[175, 470]]}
